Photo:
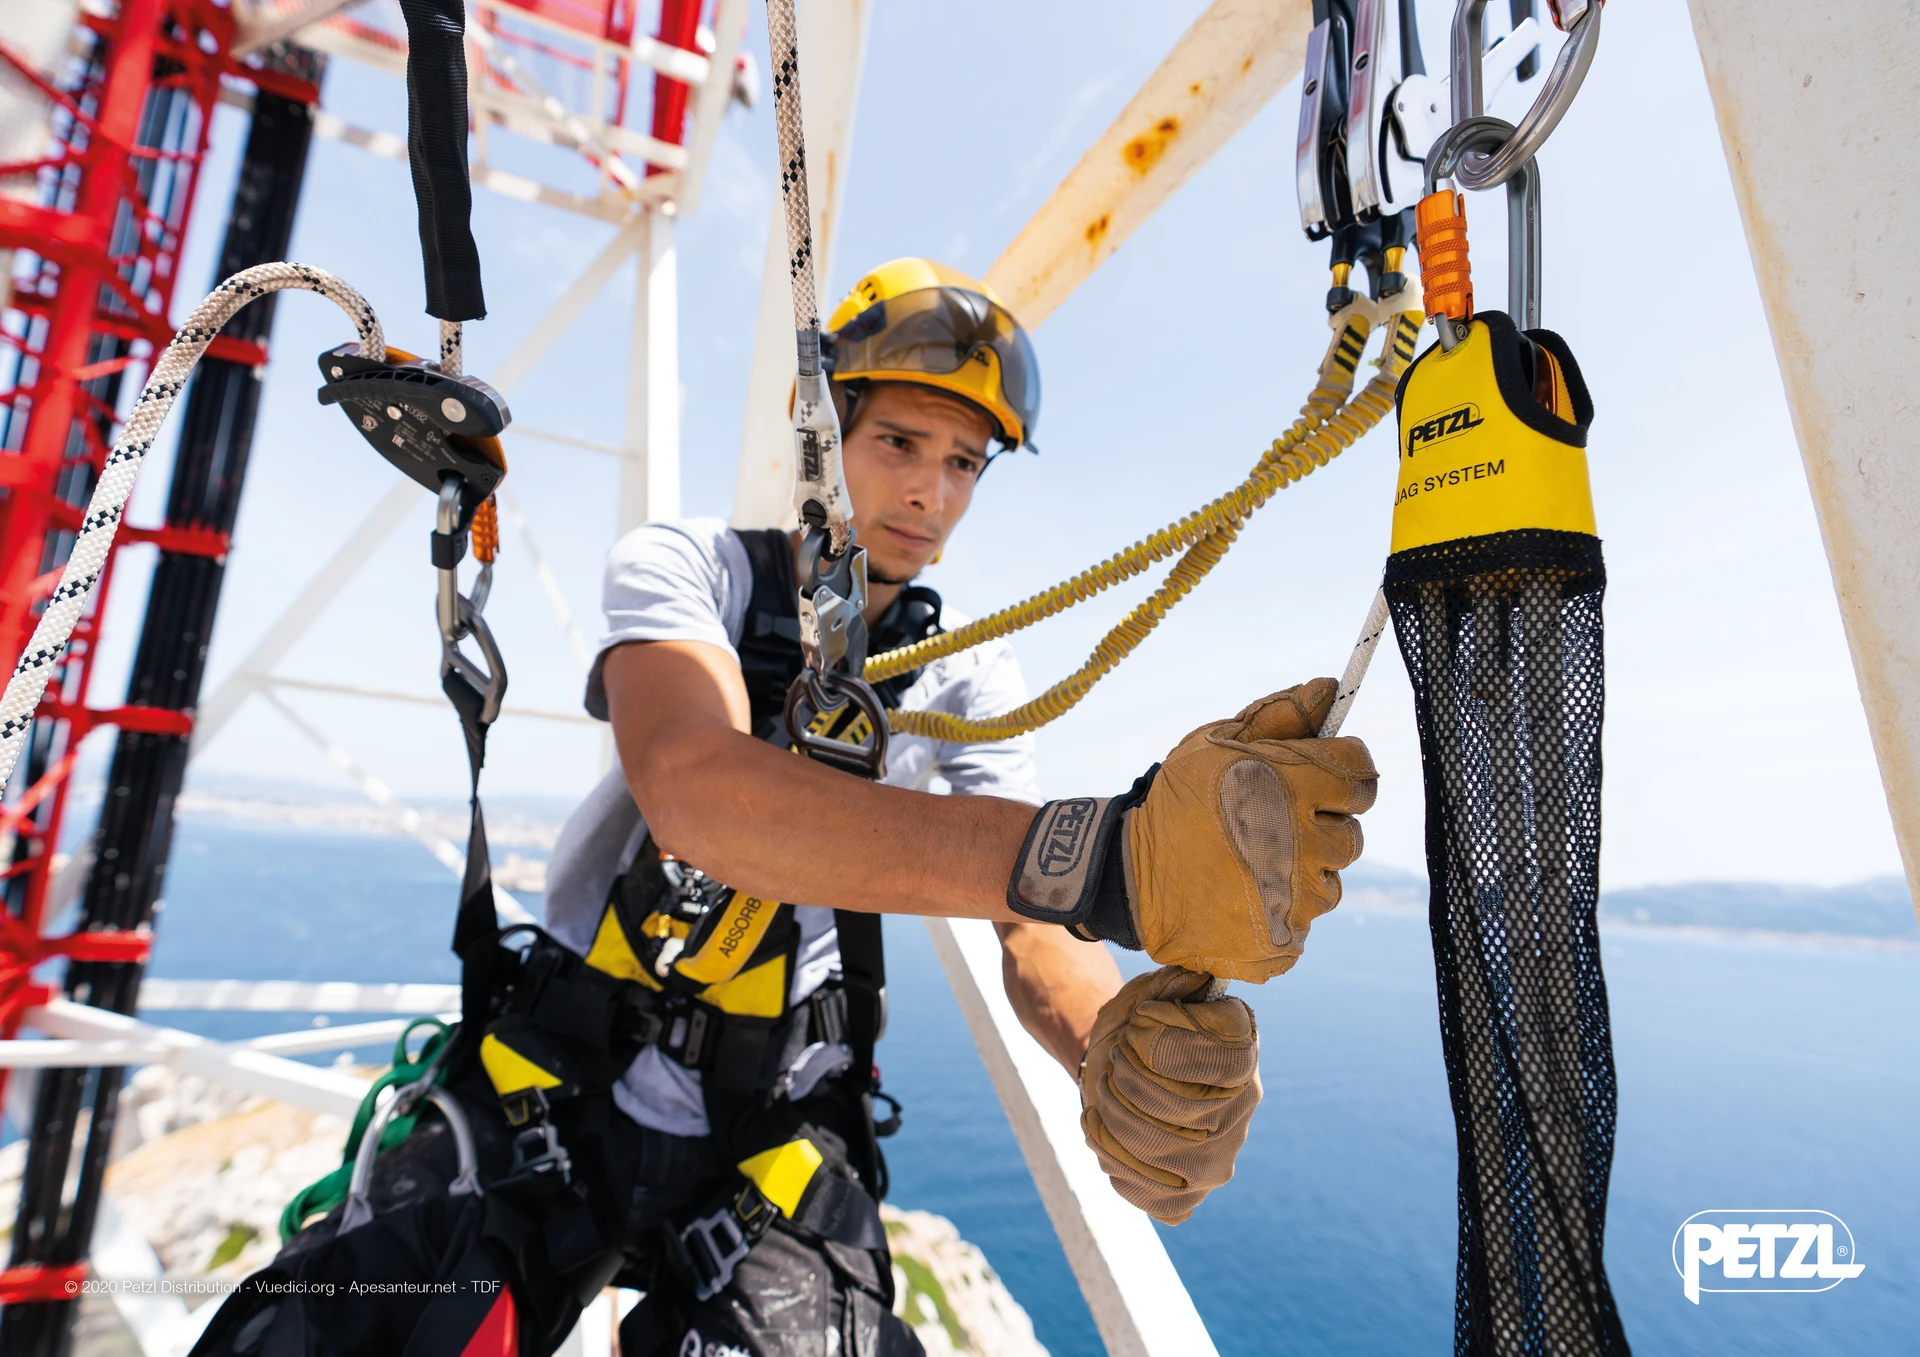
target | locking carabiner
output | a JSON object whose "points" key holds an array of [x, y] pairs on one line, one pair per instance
{"points": [[1580, 20], [1441, 227], [459, 615]]}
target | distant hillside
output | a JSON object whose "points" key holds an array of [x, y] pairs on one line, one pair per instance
{"points": [[1877, 908]]}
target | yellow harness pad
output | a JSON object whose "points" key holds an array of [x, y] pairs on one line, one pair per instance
{"points": [[1470, 466], [756, 992], [782, 1173], [509, 1071]]}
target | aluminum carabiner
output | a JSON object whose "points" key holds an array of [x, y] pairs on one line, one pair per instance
{"points": [[459, 615], [1523, 221], [1581, 20]]}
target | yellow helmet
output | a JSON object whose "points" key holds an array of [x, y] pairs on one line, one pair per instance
{"points": [[916, 321]]}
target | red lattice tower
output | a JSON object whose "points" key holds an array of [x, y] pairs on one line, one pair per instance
{"points": [[100, 229]]}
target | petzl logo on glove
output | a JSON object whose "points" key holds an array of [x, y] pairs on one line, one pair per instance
{"points": [[1058, 872], [1764, 1250], [1443, 426], [1065, 835]]}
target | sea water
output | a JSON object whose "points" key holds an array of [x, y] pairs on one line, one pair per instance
{"points": [[1752, 1073]]}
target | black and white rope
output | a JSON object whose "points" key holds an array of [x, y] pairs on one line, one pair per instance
{"points": [[168, 379], [820, 485], [452, 348], [1356, 671], [783, 46]]}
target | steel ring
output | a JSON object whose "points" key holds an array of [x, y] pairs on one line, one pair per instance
{"points": [[1556, 97], [1465, 136]]}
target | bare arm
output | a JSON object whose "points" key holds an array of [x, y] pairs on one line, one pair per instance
{"points": [[1056, 984], [786, 828]]}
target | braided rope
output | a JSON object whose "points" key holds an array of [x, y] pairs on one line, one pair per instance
{"points": [[169, 377], [783, 48], [1324, 429], [452, 348]]}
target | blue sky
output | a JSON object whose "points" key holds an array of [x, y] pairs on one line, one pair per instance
{"points": [[1732, 713]]}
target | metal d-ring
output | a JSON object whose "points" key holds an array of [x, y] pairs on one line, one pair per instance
{"points": [[1555, 98], [359, 1208], [1523, 210], [830, 692]]}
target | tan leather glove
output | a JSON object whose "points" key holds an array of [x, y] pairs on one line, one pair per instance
{"points": [[1219, 858], [1170, 1083]]}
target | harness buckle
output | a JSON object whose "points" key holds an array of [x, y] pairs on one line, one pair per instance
{"points": [[537, 1152], [712, 1246], [829, 1011]]}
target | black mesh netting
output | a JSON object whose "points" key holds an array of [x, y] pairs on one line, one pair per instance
{"points": [[1502, 639]]}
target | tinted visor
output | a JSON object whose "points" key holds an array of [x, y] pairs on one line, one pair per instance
{"points": [[939, 330]]}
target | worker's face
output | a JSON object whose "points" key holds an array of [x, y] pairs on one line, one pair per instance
{"points": [[912, 457]]}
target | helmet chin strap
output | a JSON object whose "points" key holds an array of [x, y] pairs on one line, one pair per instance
{"points": [[876, 577]]}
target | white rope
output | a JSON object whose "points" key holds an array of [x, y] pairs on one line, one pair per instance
{"points": [[451, 348], [819, 482], [169, 377], [783, 45], [1370, 633]]}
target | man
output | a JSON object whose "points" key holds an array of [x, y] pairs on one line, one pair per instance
{"points": [[758, 1106], [672, 1088]]}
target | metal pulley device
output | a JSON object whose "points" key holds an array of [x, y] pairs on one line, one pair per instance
{"points": [[441, 430], [425, 421], [1368, 113]]}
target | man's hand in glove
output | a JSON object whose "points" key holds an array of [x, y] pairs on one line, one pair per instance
{"points": [[1219, 858], [1170, 1083]]}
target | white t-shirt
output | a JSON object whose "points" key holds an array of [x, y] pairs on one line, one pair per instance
{"points": [[691, 581]]}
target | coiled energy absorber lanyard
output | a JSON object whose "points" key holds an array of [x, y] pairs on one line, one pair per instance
{"points": [[833, 714], [1495, 582]]}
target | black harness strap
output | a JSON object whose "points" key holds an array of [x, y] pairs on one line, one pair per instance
{"points": [[476, 929], [770, 661]]}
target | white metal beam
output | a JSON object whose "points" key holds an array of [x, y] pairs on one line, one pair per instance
{"points": [[214, 713], [710, 104], [833, 45], [409, 821], [1234, 58], [1138, 1301], [264, 27], [650, 475], [1814, 105], [613, 207], [256, 1071], [569, 716], [549, 585], [272, 996]]}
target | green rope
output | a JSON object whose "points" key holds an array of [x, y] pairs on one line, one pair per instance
{"points": [[318, 1198]]}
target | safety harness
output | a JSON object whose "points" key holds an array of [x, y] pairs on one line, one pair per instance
{"points": [[701, 972]]}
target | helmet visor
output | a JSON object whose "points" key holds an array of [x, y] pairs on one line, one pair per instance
{"points": [[938, 331]]}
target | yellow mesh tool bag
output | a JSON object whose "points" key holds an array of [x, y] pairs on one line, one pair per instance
{"points": [[1495, 582]]}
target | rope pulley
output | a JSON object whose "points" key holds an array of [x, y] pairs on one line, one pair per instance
{"points": [[425, 421]]}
